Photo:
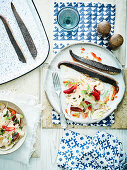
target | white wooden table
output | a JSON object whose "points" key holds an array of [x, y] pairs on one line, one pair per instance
{"points": [[50, 138]]}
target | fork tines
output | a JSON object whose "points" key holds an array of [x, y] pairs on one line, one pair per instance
{"points": [[56, 80]]}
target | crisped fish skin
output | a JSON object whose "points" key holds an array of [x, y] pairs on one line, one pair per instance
{"points": [[89, 72], [13, 41], [95, 64]]}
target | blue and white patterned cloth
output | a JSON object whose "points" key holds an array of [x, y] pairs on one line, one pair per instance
{"points": [[100, 152], [90, 15], [106, 122]]}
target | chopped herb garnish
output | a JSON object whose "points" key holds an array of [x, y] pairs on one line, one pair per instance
{"points": [[74, 91], [20, 127], [90, 94], [12, 116], [88, 87], [2, 131], [8, 118], [89, 105], [105, 94], [84, 92], [6, 114], [84, 105], [14, 134], [84, 110], [78, 81], [66, 83], [9, 138], [16, 121]]}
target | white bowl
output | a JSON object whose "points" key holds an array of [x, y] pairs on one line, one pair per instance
{"points": [[21, 141]]}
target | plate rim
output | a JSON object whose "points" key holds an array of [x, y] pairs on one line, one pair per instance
{"points": [[83, 43]]}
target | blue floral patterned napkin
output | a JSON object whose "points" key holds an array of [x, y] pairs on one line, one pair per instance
{"points": [[102, 151], [105, 122]]}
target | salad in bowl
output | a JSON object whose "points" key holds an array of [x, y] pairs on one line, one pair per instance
{"points": [[12, 127]]}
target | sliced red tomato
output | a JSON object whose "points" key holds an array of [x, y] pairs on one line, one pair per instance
{"points": [[13, 113], [88, 103], [8, 128], [70, 90]]}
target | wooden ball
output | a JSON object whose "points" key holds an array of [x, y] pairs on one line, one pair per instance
{"points": [[115, 41], [104, 28]]}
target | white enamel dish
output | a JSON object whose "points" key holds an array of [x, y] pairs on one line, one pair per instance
{"points": [[107, 58], [21, 141], [10, 66]]}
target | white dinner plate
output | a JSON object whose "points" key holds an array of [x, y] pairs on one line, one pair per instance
{"points": [[107, 58]]}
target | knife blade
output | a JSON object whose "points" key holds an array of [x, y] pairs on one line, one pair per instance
{"points": [[26, 35], [13, 40]]}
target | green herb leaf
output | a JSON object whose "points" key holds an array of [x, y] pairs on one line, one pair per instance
{"points": [[78, 81], [88, 87], [84, 105], [8, 118], [6, 114], [90, 94], [16, 121], [2, 131], [9, 138], [84, 110], [69, 82], [65, 84], [84, 92], [105, 94]]}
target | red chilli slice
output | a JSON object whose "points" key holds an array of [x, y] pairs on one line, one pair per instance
{"points": [[96, 93], [8, 128], [75, 109], [70, 90]]}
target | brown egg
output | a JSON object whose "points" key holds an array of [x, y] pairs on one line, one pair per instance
{"points": [[104, 28], [115, 41]]}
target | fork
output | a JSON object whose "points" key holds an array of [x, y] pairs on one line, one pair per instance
{"points": [[57, 87]]}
